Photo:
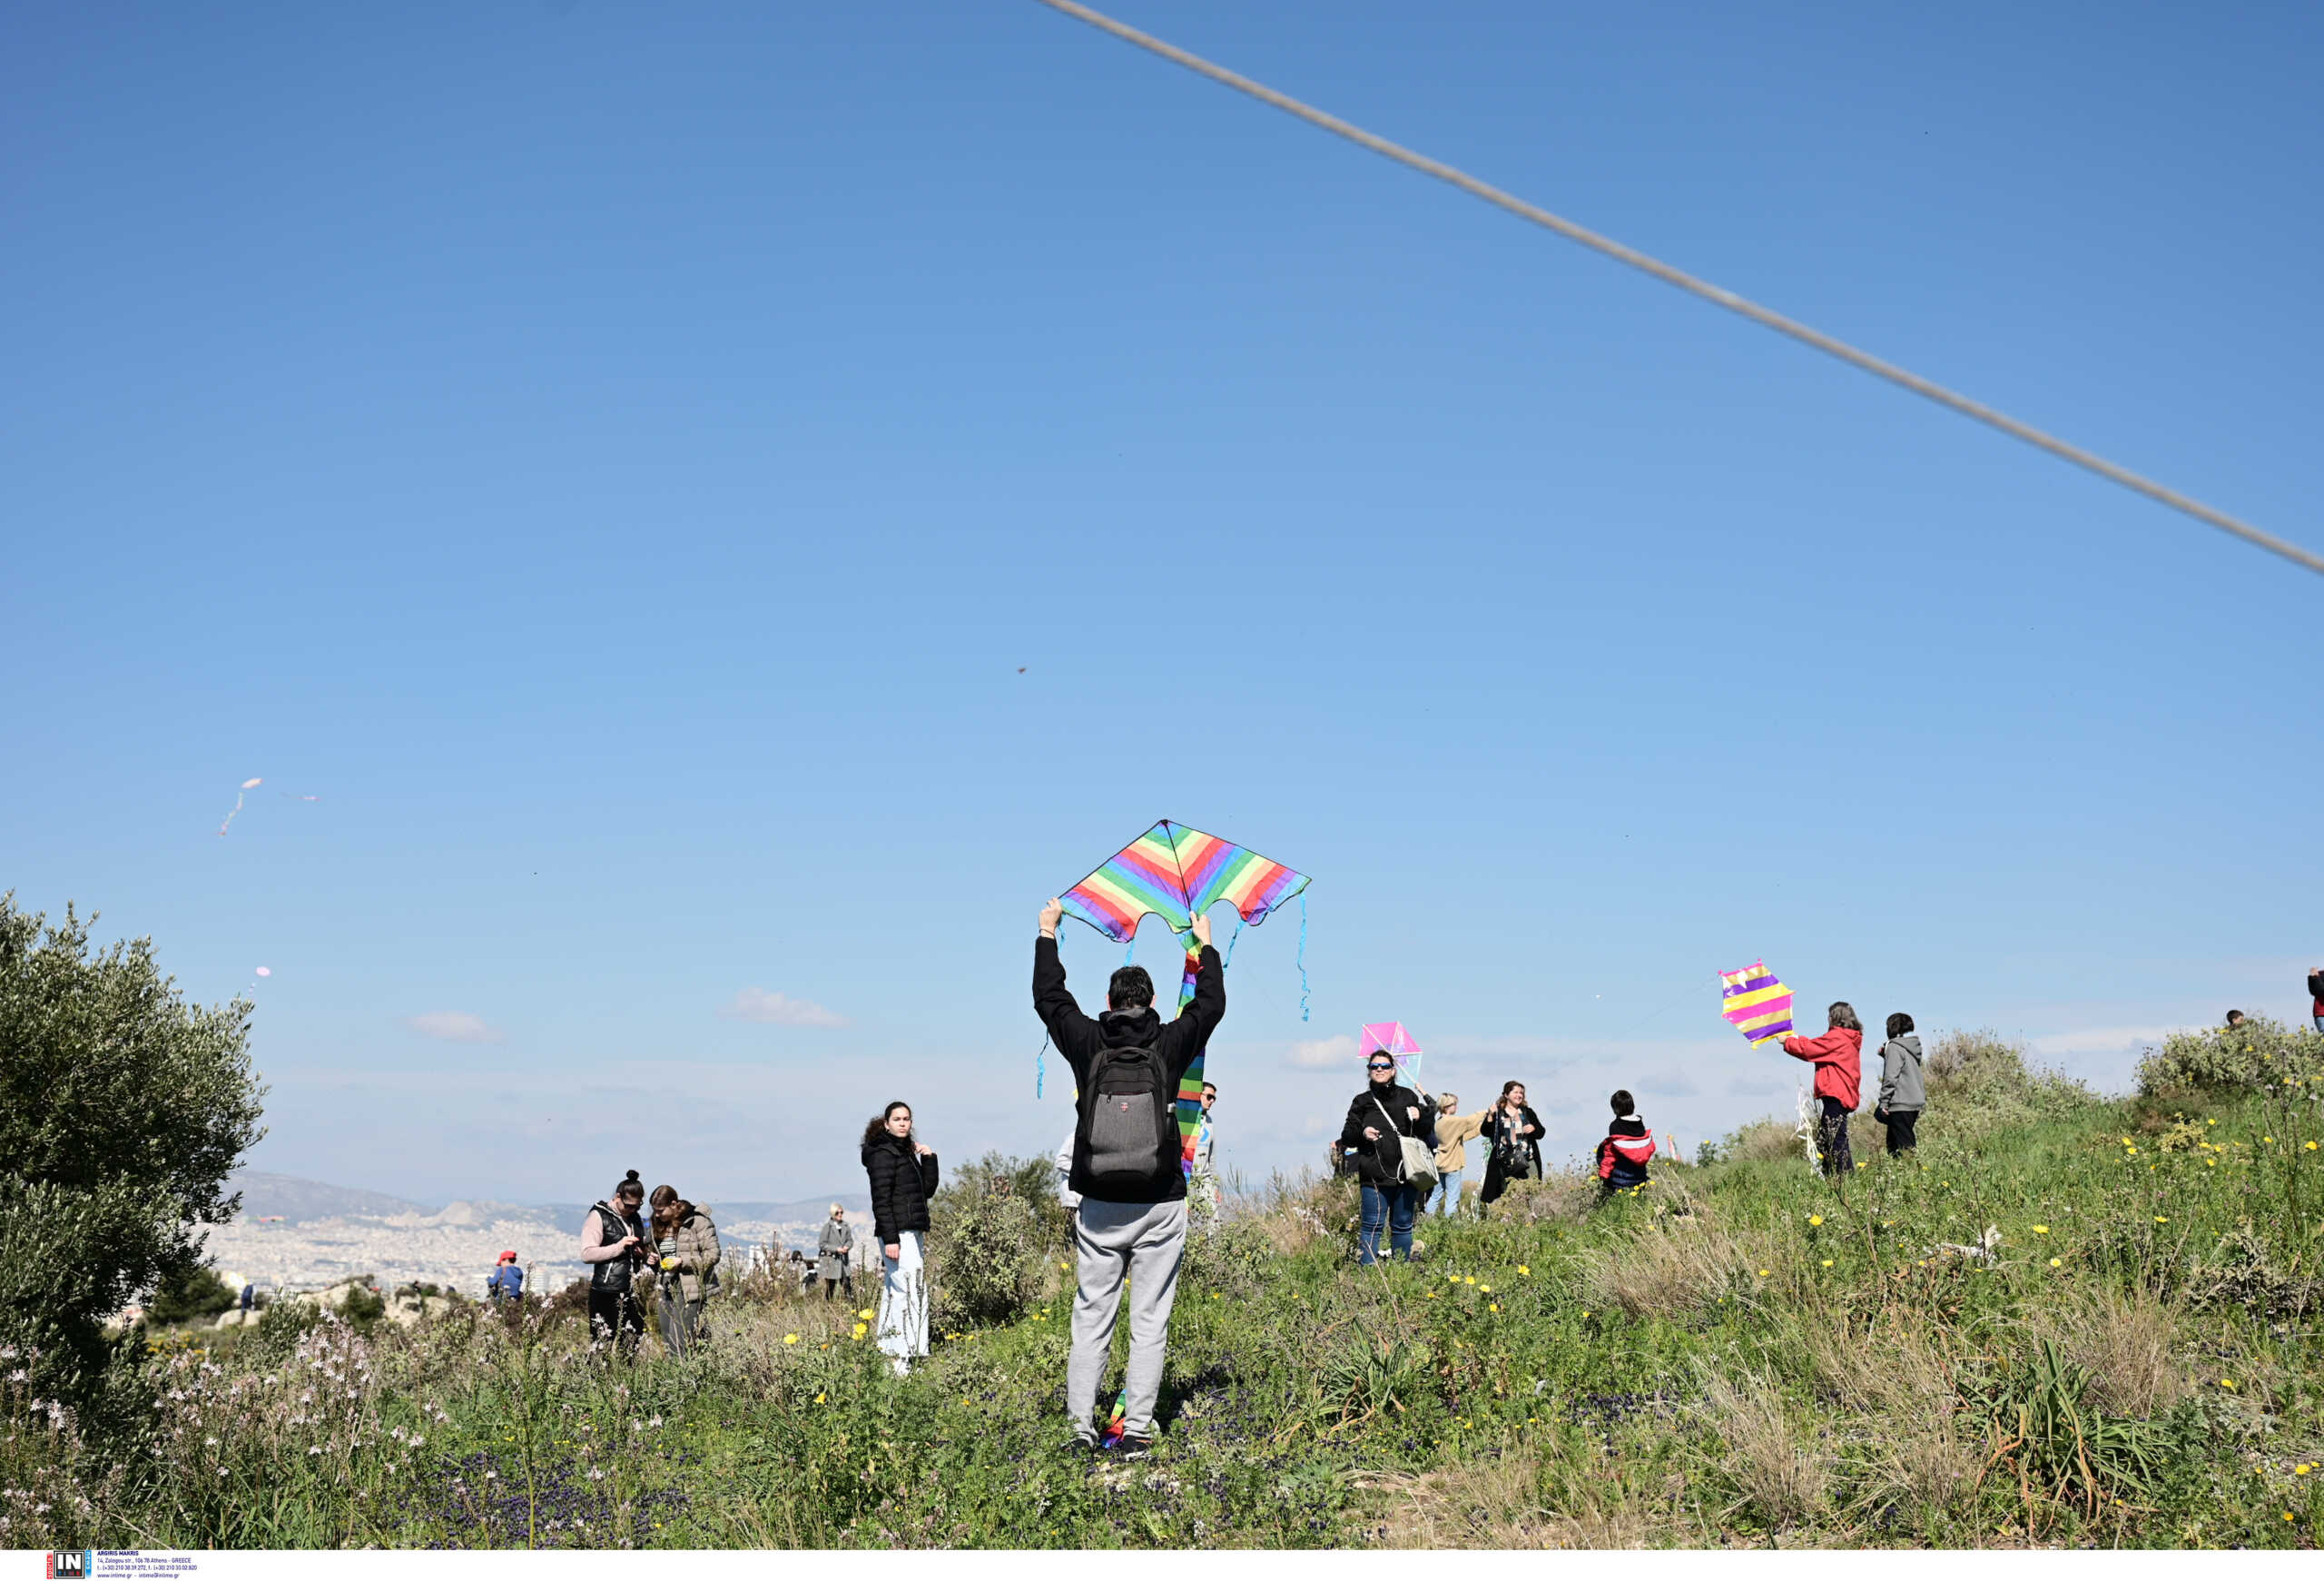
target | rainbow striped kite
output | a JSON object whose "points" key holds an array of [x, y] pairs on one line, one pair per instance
{"points": [[1755, 1003], [1177, 874]]}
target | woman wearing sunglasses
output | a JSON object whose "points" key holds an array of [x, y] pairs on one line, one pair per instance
{"points": [[1382, 1115]]}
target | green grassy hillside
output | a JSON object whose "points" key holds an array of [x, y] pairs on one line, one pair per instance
{"points": [[1741, 1354]]}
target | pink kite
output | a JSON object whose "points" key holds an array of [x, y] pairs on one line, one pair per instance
{"points": [[1391, 1037]]}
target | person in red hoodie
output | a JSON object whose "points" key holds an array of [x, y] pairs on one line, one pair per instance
{"points": [[1836, 1058], [1623, 1156]]}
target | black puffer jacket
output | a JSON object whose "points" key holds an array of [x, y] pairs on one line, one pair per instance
{"points": [[1380, 1162], [902, 1180]]}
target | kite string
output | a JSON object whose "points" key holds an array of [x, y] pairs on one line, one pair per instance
{"points": [[1718, 295], [1040, 1066], [1303, 954]]}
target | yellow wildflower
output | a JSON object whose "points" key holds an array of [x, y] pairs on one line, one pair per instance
{"points": [[1814, 1219], [1763, 1273], [791, 1338], [862, 1329], [819, 1399], [2227, 1383], [2302, 1469], [1523, 1272], [1827, 1262], [2158, 1219], [1493, 1306], [2041, 1229], [1485, 1290], [865, 1314], [2056, 1263]]}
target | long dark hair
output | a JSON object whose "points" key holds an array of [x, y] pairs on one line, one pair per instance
{"points": [[670, 1210], [877, 1127]]}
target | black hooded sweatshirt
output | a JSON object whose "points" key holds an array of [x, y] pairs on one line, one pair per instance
{"points": [[902, 1183], [1179, 1043]]}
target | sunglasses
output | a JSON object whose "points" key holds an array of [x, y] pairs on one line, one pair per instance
{"points": [[1386, 1067]]}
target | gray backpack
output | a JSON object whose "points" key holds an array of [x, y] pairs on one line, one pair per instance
{"points": [[1130, 1129]]}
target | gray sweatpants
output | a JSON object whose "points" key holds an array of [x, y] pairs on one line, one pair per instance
{"points": [[1145, 1240]]}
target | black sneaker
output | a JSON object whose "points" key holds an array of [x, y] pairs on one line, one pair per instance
{"points": [[1082, 1447], [1134, 1447]]}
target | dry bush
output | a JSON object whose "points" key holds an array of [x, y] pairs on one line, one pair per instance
{"points": [[1671, 1265], [1564, 1197], [1929, 1464], [1295, 1211], [1897, 1368], [1780, 1472], [1515, 1500], [1900, 1376], [2124, 1343], [1761, 1141]]}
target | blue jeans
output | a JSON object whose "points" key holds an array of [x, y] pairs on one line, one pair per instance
{"points": [[1449, 1185], [1395, 1207]]}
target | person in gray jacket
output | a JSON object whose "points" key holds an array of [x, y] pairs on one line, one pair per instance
{"points": [[1903, 1093], [834, 1254]]}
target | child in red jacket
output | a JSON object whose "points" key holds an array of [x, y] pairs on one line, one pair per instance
{"points": [[1836, 1057], [1623, 1156]]}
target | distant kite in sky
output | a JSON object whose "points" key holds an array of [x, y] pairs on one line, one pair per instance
{"points": [[1179, 873], [1755, 1003], [266, 971], [1390, 1037], [247, 785]]}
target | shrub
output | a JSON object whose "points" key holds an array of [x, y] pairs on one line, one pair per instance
{"points": [[121, 1109], [2259, 1055], [991, 1233], [187, 1294]]}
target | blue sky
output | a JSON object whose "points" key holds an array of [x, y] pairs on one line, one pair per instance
{"points": [[619, 458]]}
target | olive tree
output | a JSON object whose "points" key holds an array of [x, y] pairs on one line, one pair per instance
{"points": [[122, 1109]]}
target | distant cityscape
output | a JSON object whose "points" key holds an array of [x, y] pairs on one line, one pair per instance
{"points": [[295, 1234]]}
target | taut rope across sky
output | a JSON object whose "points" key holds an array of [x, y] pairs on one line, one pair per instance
{"points": [[1702, 288]]}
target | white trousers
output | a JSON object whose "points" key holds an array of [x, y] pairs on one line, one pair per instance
{"points": [[903, 1299]]}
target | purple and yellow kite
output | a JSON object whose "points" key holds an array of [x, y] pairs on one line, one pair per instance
{"points": [[1177, 874], [1755, 1003]]}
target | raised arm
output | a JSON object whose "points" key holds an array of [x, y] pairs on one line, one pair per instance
{"points": [[1052, 1001]]}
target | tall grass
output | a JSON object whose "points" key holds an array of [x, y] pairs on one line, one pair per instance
{"points": [[1742, 1352]]}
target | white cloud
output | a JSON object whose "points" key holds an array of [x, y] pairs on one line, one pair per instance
{"points": [[2100, 1040], [1323, 1053], [455, 1026], [781, 1008]]}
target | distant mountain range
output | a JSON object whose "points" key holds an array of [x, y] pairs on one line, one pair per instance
{"points": [[301, 1202]]}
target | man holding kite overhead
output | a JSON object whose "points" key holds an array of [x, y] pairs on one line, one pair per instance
{"points": [[1127, 1166]]}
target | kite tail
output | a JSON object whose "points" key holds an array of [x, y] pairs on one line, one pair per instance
{"points": [[1040, 1065], [1230, 942], [1303, 954]]}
